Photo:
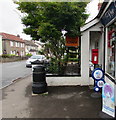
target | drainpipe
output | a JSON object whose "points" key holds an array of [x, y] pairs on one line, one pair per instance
{"points": [[104, 47]]}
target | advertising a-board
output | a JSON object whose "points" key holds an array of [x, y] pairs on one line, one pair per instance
{"points": [[108, 100]]}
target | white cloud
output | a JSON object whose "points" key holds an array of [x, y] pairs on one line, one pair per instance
{"points": [[10, 17], [92, 9]]}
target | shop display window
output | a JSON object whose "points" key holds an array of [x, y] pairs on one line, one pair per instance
{"points": [[111, 50]]}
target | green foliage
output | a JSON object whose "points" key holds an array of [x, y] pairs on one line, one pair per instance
{"points": [[55, 67], [8, 55], [50, 18], [12, 55], [73, 59], [5, 55], [41, 52], [45, 21], [28, 54]]}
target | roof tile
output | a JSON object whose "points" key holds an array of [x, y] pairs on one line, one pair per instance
{"points": [[11, 37]]}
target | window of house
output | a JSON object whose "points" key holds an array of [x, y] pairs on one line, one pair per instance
{"points": [[16, 44], [11, 43], [11, 52], [22, 44], [14, 52], [22, 53], [111, 50]]}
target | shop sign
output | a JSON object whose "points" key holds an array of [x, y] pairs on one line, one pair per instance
{"points": [[110, 14], [108, 101], [98, 74], [96, 89], [72, 41], [100, 83]]}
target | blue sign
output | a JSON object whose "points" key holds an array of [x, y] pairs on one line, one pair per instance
{"points": [[96, 89], [110, 14], [100, 83], [98, 74]]}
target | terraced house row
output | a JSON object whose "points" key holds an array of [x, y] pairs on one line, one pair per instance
{"points": [[14, 45]]}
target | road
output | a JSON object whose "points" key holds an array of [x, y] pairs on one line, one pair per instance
{"points": [[11, 71]]}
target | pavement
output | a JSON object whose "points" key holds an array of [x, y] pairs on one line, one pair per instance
{"points": [[60, 102]]}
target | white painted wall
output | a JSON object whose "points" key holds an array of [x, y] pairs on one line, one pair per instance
{"points": [[101, 49], [85, 58], [106, 51], [84, 79], [0, 45], [85, 54]]}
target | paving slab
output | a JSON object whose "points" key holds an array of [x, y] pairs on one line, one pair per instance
{"points": [[60, 102]]}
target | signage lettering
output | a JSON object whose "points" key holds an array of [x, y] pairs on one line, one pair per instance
{"points": [[109, 14], [70, 41]]}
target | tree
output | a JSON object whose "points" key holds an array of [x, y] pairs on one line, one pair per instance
{"points": [[45, 21], [55, 16]]}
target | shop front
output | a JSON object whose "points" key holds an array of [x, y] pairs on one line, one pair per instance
{"points": [[100, 34], [108, 19], [91, 49], [0, 45]]}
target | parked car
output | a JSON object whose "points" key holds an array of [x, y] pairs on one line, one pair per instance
{"points": [[39, 58]]}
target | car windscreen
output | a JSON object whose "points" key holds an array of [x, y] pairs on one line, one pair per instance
{"points": [[36, 57]]}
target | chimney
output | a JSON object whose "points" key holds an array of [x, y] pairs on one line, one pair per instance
{"points": [[18, 35], [100, 4]]}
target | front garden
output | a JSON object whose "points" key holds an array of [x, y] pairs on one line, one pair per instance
{"points": [[11, 58]]}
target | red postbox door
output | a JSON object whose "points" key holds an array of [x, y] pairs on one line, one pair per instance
{"points": [[95, 56]]}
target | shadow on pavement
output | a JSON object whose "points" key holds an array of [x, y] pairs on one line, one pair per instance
{"points": [[64, 102]]}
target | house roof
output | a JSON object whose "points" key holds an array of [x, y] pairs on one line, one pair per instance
{"points": [[28, 42], [104, 4], [11, 37]]}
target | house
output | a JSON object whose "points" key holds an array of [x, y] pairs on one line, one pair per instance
{"points": [[31, 47], [0, 45], [12, 44], [39, 44]]}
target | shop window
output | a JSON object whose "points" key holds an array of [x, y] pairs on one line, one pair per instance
{"points": [[111, 51]]}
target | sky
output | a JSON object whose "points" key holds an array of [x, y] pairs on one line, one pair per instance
{"points": [[10, 17]]}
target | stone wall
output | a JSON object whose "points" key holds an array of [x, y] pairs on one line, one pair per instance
{"points": [[12, 59]]}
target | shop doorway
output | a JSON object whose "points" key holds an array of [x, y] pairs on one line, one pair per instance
{"points": [[95, 50]]}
